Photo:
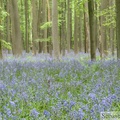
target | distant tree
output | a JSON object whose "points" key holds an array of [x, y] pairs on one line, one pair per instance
{"points": [[40, 20], [63, 28], [68, 25], [16, 33], [0, 30], [118, 27], [112, 28], [26, 27], [55, 35], [34, 26], [8, 35], [92, 29], [103, 45], [75, 28], [44, 21], [86, 28]]}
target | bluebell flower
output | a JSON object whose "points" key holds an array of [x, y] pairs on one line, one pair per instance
{"points": [[34, 113], [92, 96], [9, 113], [81, 114], [72, 103], [69, 94], [65, 103], [105, 102], [2, 86], [12, 103], [46, 113]]}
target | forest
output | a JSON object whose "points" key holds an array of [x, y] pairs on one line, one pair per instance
{"points": [[59, 59]]}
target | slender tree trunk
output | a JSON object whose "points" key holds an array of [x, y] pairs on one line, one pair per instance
{"points": [[8, 24], [92, 29], [86, 29], [16, 33], [55, 36], [26, 27], [63, 29], [34, 25], [49, 29], [0, 31], [40, 32], [80, 31], [75, 30], [96, 27], [103, 29], [68, 26], [111, 4], [118, 27], [44, 21], [71, 27]]}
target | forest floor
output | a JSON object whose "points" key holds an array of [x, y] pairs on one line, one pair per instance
{"points": [[73, 88]]}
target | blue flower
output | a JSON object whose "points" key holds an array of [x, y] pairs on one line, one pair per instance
{"points": [[81, 114], [34, 113], [92, 96], [46, 113], [72, 103], [12, 103]]}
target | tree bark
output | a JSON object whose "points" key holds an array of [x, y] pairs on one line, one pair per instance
{"points": [[68, 26], [86, 29], [55, 36], [118, 27], [34, 26], [0, 31], [75, 30], [16, 33], [26, 27], [44, 21], [92, 29]]}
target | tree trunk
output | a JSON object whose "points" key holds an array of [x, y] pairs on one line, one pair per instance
{"points": [[0, 31], [92, 29], [26, 27], [103, 29], [16, 33], [68, 26], [75, 30], [55, 36], [8, 24], [80, 31], [63, 29], [86, 28], [118, 27], [40, 32], [44, 21], [34, 26]]}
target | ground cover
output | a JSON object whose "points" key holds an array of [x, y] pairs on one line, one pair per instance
{"points": [[73, 88]]}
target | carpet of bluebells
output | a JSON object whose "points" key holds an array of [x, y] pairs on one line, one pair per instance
{"points": [[72, 88]]}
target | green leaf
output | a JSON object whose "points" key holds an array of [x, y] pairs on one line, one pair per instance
{"points": [[6, 44], [46, 25]]}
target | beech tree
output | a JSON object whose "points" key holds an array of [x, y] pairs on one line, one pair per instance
{"points": [[0, 31], [34, 25], [118, 27], [16, 32], [55, 35], [92, 29], [68, 25]]}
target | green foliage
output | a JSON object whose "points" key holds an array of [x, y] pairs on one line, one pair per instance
{"points": [[43, 39], [46, 25], [6, 45], [49, 24], [3, 15], [109, 14]]}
